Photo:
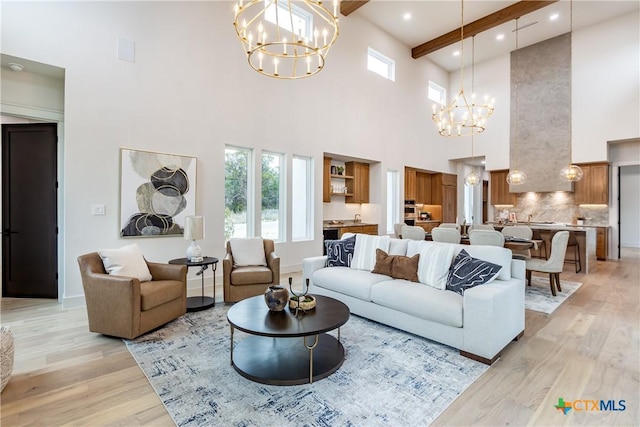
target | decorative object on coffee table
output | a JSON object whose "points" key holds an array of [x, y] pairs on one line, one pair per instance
{"points": [[276, 298], [301, 302]]}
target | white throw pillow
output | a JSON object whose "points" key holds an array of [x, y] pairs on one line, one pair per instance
{"points": [[364, 254], [248, 251], [127, 261], [433, 267]]}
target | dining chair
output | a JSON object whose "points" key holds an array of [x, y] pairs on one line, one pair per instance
{"points": [[486, 237], [481, 227], [520, 232], [554, 265], [397, 229], [445, 235], [413, 232], [450, 225]]}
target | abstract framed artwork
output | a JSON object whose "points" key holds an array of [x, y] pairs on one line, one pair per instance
{"points": [[157, 191]]}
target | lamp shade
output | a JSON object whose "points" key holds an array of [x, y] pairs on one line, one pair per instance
{"points": [[194, 228]]}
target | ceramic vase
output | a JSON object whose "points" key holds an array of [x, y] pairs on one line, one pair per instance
{"points": [[276, 298]]}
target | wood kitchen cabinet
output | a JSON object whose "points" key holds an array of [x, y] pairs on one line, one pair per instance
{"points": [[444, 192], [593, 188], [601, 243], [423, 188], [362, 229], [410, 176], [358, 187], [500, 194], [326, 180]]}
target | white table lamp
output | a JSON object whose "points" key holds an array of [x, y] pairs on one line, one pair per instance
{"points": [[194, 230]]}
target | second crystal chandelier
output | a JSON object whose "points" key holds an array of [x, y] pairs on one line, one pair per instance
{"points": [[461, 117]]}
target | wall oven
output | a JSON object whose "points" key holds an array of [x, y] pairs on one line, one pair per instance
{"points": [[410, 212]]}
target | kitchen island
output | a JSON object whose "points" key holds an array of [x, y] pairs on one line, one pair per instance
{"points": [[585, 236]]}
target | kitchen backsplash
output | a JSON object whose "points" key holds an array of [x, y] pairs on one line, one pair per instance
{"points": [[555, 207]]}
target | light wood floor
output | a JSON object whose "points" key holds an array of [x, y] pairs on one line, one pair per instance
{"points": [[588, 349]]}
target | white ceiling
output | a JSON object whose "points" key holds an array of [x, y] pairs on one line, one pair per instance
{"points": [[433, 18]]}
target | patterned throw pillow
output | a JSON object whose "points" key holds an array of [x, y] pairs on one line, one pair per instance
{"points": [[340, 252], [467, 272]]}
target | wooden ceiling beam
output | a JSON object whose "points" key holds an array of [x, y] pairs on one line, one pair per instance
{"points": [[498, 18], [348, 7]]}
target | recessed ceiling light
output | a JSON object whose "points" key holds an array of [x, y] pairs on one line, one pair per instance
{"points": [[554, 16], [16, 67], [484, 162], [500, 37], [406, 16], [456, 53]]}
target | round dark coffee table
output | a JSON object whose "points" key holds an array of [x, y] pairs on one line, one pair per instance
{"points": [[284, 349]]}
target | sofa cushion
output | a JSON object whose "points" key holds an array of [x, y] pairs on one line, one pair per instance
{"points": [[364, 255], [493, 254], [467, 272], [398, 246], [435, 260], [158, 292], [248, 251], [251, 275], [126, 261], [348, 281], [421, 301], [340, 252]]}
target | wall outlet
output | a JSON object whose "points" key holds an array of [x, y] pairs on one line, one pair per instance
{"points": [[97, 209]]}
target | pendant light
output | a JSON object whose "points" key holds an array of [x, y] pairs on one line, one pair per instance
{"points": [[516, 176]]}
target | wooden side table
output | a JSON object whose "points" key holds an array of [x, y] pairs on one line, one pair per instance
{"points": [[201, 302]]}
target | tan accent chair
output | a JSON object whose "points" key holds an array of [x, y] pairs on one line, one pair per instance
{"points": [[125, 307], [554, 265], [247, 281]]}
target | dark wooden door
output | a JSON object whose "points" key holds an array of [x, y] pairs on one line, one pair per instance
{"points": [[29, 210]]}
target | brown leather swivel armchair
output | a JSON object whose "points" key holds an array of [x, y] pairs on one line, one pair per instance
{"points": [[244, 282], [125, 307]]}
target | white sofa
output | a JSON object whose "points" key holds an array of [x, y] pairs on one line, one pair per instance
{"points": [[480, 323]]}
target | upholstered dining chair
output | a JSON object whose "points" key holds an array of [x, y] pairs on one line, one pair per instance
{"points": [[520, 232], [445, 235], [449, 225], [554, 264], [128, 307], [249, 267], [413, 232], [397, 229], [481, 227], [486, 237]]}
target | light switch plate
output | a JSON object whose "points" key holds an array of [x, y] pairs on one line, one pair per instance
{"points": [[97, 209]]}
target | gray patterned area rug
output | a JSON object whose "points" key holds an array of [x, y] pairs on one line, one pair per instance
{"points": [[538, 296], [389, 377]]}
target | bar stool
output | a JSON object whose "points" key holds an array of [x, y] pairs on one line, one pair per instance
{"points": [[573, 242]]}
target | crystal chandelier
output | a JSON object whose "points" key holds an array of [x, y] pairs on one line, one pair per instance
{"points": [[461, 118], [286, 39], [571, 173], [515, 176], [472, 178]]}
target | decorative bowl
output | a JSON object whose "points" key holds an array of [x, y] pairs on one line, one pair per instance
{"points": [[308, 303]]}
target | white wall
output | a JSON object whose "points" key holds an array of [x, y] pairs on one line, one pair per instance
{"points": [[191, 92], [630, 206]]}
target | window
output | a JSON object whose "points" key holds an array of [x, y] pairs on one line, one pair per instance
{"points": [[302, 20], [393, 200], [238, 177], [272, 207], [437, 93], [301, 199], [381, 64]]}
